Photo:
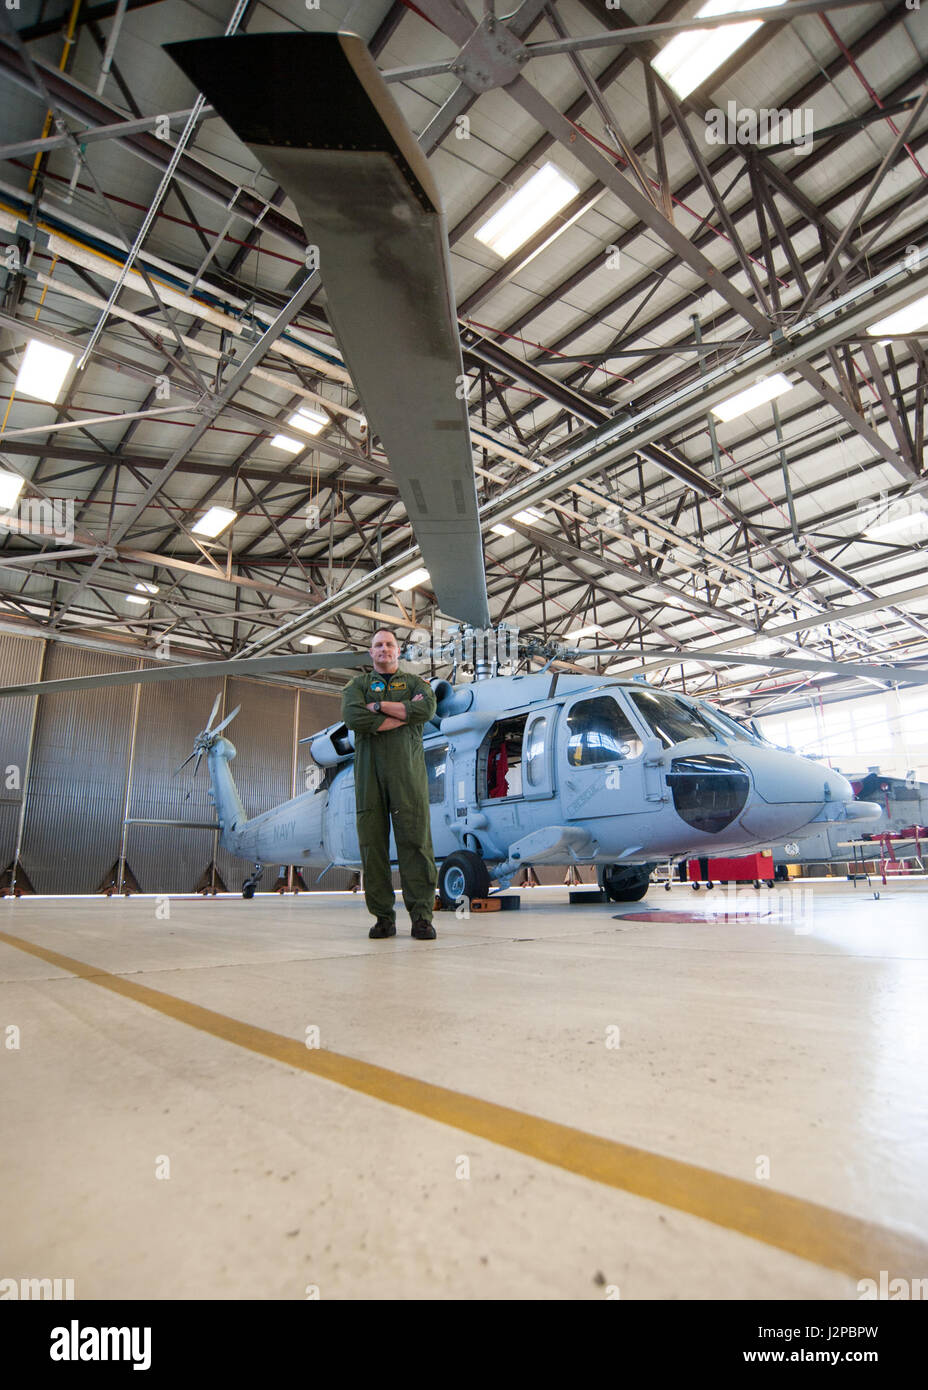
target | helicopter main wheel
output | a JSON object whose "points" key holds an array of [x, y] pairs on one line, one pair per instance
{"points": [[462, 875], [624, 883]]}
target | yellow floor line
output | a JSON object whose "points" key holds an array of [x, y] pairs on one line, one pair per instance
{"points": [[826, 1237]]}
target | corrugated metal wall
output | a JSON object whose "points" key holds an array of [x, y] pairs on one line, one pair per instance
{"points": [[80, 770], [20, 661], [77, 787]]}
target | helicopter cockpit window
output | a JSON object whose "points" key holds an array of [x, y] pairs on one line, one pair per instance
{"points": [[435, 763], [502, 771], [598, 731], [672, 720], [728, 727]]}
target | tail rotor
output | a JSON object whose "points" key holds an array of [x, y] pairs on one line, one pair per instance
{"points": [[204, 741]]}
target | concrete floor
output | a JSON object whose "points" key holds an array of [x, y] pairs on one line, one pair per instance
{"points": [[155, 1156]]}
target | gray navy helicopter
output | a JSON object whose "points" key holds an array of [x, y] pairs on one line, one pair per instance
{"points": [[533, 767]]}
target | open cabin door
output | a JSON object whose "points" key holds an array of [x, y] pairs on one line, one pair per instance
{"points": [[516, 759]]}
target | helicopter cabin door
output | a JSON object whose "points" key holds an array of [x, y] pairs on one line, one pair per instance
{"points": [[516, 756], [600, 760]]}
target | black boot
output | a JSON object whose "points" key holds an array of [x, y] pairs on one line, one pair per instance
{"points": [[384, 926]]}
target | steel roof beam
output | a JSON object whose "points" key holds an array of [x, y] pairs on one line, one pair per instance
{"points": [[630, 433], [730, 153], [548, 117], [118, 130], [214, 406]]}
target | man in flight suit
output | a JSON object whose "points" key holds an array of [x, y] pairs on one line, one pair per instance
{"points": [[387, 709]]}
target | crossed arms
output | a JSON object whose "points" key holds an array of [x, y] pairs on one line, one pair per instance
{"points": [[394, 714]]}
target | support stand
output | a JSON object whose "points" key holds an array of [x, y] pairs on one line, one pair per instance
{"points": [[211, 881], [109, 884], [290, 882], [14, 882]]}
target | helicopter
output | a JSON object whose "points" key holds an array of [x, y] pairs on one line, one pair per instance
{"points": [[561, 768], [538, 766]]}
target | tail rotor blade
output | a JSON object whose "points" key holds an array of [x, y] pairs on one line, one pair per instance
{"points": [[184, 763], [193, 775], [212, 714], [228, 720]]}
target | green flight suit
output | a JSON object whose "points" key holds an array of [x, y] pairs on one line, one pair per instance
{"points": [[390, 780]]}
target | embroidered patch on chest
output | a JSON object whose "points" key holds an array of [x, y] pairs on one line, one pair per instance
{"points": [[377, 687], [397, 685]]}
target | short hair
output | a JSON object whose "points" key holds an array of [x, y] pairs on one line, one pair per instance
{"points": [[389, 631]]}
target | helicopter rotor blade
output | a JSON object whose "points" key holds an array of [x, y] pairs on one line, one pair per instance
{"points": [[368, 201], [184, 763], [653, 660], [244, 666]]}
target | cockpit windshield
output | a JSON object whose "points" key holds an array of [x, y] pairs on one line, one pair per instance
{"points": [[730, 728], [673, 720]]}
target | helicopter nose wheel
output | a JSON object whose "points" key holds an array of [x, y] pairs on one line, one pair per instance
{"points": [[624, 883], [252, 881]]}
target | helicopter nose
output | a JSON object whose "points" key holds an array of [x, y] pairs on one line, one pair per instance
{"points": [[781, 777], [790, 791]]}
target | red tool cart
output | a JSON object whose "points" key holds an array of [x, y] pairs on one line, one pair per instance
{"points": [[748, 868]]}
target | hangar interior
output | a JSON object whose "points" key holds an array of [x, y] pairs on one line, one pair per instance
{"points": [[695, 379]]}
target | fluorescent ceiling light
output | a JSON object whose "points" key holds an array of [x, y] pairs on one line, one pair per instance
{"points": [[763, 390], [666, 594], [292, 446], [144, 587], [311, 640], [912, 526], [593, 631], [214, 521], [907, 320], [409, 581], [761, 646], [43, 370], [688, 59], [502, 529], [527, 516], [11, 485], [137, 598], [535, 203], [312, 421]]}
